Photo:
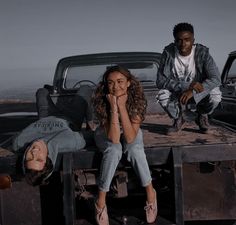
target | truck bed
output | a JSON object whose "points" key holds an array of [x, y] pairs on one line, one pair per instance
{"points": [[155, 135], [186, 152]]}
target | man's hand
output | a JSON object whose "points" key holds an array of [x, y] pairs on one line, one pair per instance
{"points": [[198, 87], [186, 96]]}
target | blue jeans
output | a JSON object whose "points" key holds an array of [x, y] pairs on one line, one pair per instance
{"points": [[74, 112], [112, 154], [76, 108], [45, 105]]}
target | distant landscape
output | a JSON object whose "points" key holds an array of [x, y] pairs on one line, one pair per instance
{"points": [[22, 83], [27, 94]]}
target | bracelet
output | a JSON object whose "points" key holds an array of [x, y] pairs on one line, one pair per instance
{"points": [[114, 111], [115, 123]]}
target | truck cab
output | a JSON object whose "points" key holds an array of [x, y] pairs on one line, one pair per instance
{"points": [[226, 110]]}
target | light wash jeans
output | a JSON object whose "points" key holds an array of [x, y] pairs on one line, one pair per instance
{"points": [[112, 154]]}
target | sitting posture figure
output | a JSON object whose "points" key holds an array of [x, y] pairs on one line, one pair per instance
{"points": [[120, 106], [187, 73]]}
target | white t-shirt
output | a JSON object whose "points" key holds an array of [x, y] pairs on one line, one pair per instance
{"points": [[184, 66]]}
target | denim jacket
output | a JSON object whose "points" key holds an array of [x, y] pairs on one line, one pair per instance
{"points": [[207, 72]]}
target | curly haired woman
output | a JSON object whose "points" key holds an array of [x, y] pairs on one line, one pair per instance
{"points": [[120, 107]]}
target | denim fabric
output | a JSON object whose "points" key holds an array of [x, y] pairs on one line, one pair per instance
{"points": [[76, 109], [112, 154], [170, 103], [45, 105]]}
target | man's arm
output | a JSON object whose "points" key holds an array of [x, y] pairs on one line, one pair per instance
{"points": [[210, 80], [164, 79], [213, 78]]}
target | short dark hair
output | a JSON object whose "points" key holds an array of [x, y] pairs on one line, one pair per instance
{"points": [[182, 27], [34, 177]]}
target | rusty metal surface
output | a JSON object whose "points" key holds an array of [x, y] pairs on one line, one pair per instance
{"points": [[7, 161], [209, 191], [20, 205], [155, 133], [199, 187]]}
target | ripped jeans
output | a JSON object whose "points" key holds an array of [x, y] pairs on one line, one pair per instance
{"points": [[112, 154]]}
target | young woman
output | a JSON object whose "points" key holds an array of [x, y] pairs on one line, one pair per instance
{"points": [[120, 106], [41, 142]]}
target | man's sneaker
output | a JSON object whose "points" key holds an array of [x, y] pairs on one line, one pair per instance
{"points": [[151, 210], [177, 125], [101, 215], [202, 122]]}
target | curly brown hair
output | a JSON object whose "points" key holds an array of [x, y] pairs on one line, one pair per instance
{"points": [[136, 103]]}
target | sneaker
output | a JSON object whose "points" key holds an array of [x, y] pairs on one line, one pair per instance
{"points": [[101, 215], [202, 122], [177, 125], [151, 210]]}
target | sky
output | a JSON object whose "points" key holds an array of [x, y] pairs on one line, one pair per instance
{"points": [[35, 34]]}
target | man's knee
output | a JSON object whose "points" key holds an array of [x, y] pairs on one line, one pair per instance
{"points": [[163, 97], [210, 102]]}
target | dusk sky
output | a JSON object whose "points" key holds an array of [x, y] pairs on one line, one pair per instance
{"points": [[36, 34]]}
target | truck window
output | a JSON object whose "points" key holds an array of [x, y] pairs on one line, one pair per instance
{"points": [[146, 72], [231, 78]]}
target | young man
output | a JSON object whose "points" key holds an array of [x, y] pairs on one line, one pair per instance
{"points": [[187, 74]]}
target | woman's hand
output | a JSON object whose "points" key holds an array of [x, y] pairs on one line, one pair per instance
{"points": [[121, 101], [112, 99]]}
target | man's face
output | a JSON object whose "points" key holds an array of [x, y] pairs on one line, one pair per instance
{"points": [[36, 156], [184, 41]]}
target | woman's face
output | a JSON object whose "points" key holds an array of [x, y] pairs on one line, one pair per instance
{"points": [[36, 156], [117, 84]]}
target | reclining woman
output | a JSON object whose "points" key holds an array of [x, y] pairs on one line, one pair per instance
{"points": [[54, 132], [120, 106], [41, 142]]}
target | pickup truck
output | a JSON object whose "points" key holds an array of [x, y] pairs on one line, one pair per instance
{"points": [[194, 173], [226, 112]]}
